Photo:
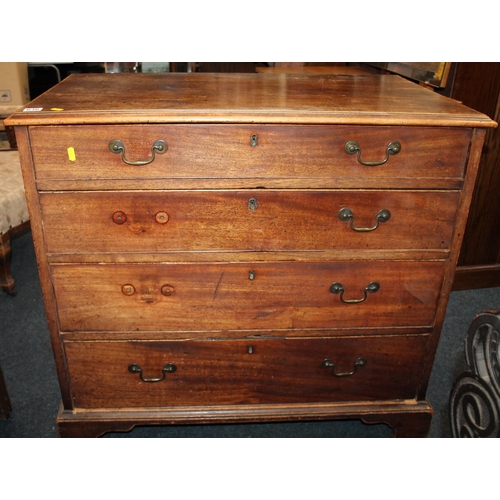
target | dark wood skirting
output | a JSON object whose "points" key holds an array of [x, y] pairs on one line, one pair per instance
{"points": [[473, 277]]}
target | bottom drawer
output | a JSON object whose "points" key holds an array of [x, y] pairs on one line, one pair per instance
{"points": [[122, 374]]}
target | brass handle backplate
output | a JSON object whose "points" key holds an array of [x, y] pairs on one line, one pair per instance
{"points": [[328, 363], [338, 288], [352, 147], [117, 147], [346, 215], [168, 368]]}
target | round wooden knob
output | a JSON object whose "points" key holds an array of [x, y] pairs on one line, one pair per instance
{"points": [[167, 290], [161, 217], [128, 290], [119, 217]]}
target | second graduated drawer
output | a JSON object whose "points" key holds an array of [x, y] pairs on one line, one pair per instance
{"points": [[250, 296], [262, 220]]}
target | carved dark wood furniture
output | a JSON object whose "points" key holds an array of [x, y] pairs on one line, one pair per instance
{"points": [[475, 396], [246, 247]]}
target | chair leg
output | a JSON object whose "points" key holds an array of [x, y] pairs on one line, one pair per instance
{"points": [[5, 406], [6, 281]]}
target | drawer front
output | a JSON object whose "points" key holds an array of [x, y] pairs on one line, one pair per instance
{"points": [[227, 152], [232, 296], [78, 222], [167, 373]]}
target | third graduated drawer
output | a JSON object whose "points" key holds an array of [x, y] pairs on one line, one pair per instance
{"points": [[251, 296], [263, 220]]}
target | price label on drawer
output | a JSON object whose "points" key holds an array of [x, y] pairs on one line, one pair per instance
{"points": [[71, 154]]}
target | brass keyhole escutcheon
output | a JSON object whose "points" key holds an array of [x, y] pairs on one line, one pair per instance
{"points": [[119, 217], [253, 140], [161, 217], [128, 290], [253, 204], [167, 290]]}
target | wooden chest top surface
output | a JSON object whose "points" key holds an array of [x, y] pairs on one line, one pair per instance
{"points": [[244, 98]]}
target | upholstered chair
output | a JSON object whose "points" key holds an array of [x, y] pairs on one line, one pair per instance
{"points": [[14, 216]]}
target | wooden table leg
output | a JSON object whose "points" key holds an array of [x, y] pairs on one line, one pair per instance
{"points": [[404, 424], [6, 281]]}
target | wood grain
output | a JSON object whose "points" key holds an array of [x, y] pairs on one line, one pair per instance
{"points": [[222, 220], [169, 262], [224, 372], [457, 238], [286, 295], [245, 98], [408, 418], [224, 152]]}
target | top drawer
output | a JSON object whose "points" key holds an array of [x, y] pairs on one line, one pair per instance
{"points": [[256, 155]]}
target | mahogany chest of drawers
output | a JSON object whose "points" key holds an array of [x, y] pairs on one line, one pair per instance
{"points": [[238, 248]]}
